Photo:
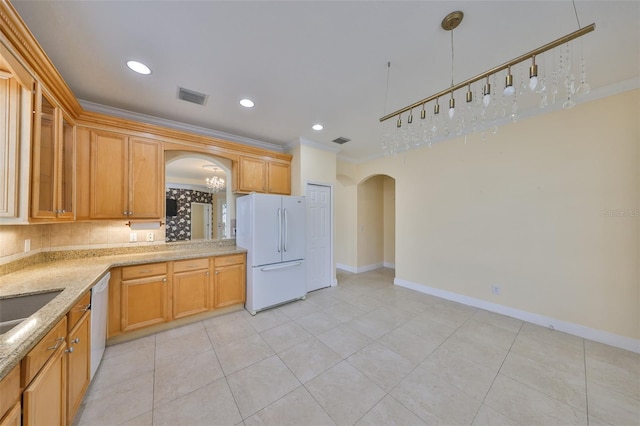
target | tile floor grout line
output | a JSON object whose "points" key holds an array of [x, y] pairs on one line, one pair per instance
{"points": [[586, 387], [497, 374]]}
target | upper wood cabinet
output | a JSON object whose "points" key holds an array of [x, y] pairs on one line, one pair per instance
{"points": [[260, 175], [279, 178], [125, 176], [53, 160]]}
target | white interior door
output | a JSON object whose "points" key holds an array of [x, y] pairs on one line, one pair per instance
{"points": [[319, 214], [200, 221]]}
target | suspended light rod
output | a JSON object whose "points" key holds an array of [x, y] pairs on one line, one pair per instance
{"points": [[567, 38]]}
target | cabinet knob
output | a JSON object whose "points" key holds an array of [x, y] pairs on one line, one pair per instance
{"points": [[164, 280], [216, 272], [70, 350], [207, 273], [130, 213], [124, 213], [76, 340]]}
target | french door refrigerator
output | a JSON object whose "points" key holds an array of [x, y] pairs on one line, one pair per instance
{"points": [[272, 230]]}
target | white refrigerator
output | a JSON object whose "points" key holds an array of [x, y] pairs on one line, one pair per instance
{"points": [[272, 230]]}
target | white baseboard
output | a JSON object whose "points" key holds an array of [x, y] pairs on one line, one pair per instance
{"points": [[600, 336], [389, 265], [359, 269], [334, 282]]}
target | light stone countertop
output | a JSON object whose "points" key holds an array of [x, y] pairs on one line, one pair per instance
{"points": [[75, 276]]}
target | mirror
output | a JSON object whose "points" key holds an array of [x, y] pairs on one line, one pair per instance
{"points": [[200, 204]]}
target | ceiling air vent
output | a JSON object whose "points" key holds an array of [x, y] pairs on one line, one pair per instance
{"points": [[341, 140], [192, 96]]}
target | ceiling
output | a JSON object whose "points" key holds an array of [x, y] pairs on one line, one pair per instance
{"points": [[307, 62]]}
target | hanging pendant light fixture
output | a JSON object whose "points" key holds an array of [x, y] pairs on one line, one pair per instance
{"points": [[215, 183], [479, 117]]}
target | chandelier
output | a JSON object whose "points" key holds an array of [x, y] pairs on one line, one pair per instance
{"points": [[485, 106], [215, 183]]}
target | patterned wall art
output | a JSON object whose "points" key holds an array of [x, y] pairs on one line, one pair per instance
{"points": [[179, 227]]}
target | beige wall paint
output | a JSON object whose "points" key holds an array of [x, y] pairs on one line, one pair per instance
{"points": [[389, 220], [546, 209], [370, 222], [345, 213]]}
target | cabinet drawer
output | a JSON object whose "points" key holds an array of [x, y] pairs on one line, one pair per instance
{"points": [[190, 264], [34, 360], [141, 271], [233, 259], [78, 310], [9, 390]]}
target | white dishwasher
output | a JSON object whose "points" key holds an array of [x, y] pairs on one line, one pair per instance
{"points": [[99, 301]]}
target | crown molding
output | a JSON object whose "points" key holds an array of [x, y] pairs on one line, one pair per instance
{"points": [[176, 125]]}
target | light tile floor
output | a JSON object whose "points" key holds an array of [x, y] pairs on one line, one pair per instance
{"points": [[367, 353]]}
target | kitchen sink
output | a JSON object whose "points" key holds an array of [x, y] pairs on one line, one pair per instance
{"points": [[13, 310]]}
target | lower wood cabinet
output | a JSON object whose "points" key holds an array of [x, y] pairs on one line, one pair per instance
{"points": [[144, 291], [191, 287], [45, 397], [10, 395], [78, 363], [13, 417], [229, 276], [145, 295]]}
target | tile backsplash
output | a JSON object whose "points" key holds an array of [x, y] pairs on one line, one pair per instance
{"points": [[64, 236]]}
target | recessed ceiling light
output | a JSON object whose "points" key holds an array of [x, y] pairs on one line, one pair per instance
{"points": [[317, 127], [247, 103], [139, 67]]}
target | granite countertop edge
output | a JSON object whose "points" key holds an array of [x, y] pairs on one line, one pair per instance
{"points": [[74, 277]]}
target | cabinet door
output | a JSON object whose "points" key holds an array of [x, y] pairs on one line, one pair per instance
{"points": [[190, 293], [65, 175], [79, 368], [12, 418], [45, 398], [109, 176], [279, 178], [252, 175], [44, 154], [229, 285], [9, 144], [145, 179], [144, 302]]}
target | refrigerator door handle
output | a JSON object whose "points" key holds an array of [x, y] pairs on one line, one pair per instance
{"points": [[273, 268], [286, 230], [279, 230]]}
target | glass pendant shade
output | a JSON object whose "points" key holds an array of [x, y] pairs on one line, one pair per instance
{"points": [[509, 90], [486, 94]]}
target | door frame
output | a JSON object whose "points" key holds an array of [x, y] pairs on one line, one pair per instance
{"points": [[334, 279]]}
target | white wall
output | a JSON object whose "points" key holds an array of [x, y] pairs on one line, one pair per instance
{"points": [[546, 209]]}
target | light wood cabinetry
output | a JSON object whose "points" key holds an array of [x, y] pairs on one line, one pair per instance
{"points": [[10, 397], [53, 160], [261, 175], [144, 293], [44, 372], [13, 417], [251, 175], [78, 357], [15, 138], [151, 294], [279, 178], [191, 287], [229, 280], [125, 176]]}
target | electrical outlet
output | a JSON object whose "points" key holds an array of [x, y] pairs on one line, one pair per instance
{"points": [[495, 290], [27, 245], [133, 237], [149, 236]]}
